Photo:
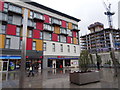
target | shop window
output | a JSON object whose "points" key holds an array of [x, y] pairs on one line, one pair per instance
{"points": [[7, 44], [18, 31], [34, 45], [44, 46]]}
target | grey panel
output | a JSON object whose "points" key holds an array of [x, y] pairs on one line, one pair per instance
{"points": [[17, 20]]}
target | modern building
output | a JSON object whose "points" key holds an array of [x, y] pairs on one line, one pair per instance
{"points": [[98, 40], [52, 36]]}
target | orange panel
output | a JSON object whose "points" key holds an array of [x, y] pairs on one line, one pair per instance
{"points": [[69, 25], [57, 29], [2, 41], [39, 44], [28, 12], [75, 40]]}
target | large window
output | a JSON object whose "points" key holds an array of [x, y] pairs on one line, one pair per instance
{"points": [[74, 49], [68, 46], [61, 47], [30, 34], [10, 19], [3, 29], [18, 31], [41, 35], [47, 36], [31, 14], [38, 16], [48, 27], [7, 44], [69, 32], [53, 47], [44, 46], [34, 45], [63, 30], [63, 38], [15, 9]]}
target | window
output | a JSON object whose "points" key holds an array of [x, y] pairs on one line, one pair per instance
{"points": [[15, 9], [5, 7], [30, 33], [44, 46], [48, 27], [34, 25], [30, 23], [41, 35], [58, 38], [31, 14], [34, 45], [69, 32], [63, 30], [10, 19], [74, 49], [7, 44], [61, 48], [53, 47], [67, 24], [71, 40], [38, 16], [20, 45], [68, 48], [50, 36], [18, 31], [4, 29], [50, 20]]}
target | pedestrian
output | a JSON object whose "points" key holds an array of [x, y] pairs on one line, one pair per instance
{"points": [[31, 71], [53, 65], [98, 65]]}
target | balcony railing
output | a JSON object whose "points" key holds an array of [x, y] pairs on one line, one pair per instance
{"points": [[31, 23], [56, 22], [48, 27], [15, 9], [63, 31], [3, 17], [38, 16]]}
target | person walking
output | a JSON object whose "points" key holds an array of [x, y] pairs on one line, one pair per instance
{"points": [[31, 71], [98, 65]]}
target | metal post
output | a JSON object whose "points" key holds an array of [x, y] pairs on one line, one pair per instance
{"points": [[23, 51]]}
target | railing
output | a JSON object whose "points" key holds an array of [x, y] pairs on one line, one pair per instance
{"points": [[48, 27], [38, 16], [56, 21]]}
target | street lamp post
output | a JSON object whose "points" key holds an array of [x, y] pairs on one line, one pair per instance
{"points": [[23, 50]]}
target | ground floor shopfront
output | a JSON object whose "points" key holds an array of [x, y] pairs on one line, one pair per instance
{"points": [[60, 61]]}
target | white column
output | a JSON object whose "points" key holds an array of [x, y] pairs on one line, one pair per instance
{"points": [[63, 63]]}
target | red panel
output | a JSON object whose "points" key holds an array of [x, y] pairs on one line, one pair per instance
{"points": [[39, 25], [68, 39], [36, 34], [64, 24], [29, 44], [54, 37], [74, 33], [11, 29], [1, 5], [46, 18]]}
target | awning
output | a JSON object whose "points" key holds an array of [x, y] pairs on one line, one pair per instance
{"points": [[10, 57], [65, 58]]}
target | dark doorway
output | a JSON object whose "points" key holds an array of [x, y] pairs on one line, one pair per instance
{"points": [[49, 63], [59, 63], [67, 62]]}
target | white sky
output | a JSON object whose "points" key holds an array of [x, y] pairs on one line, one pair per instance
{"points": [[89, 11]]}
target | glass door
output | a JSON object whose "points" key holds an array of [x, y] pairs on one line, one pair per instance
{"points": [[1, 65], [5, 65]]}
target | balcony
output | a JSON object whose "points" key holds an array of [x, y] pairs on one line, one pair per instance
{"points": [[3, 17], [48, 27], [38, 16], [31, 23], [15, 9], [56, 22], [75, 27], [63, 31]]}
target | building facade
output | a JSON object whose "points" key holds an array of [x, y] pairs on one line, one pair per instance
{"points": [[52, 36], [99, 39]]}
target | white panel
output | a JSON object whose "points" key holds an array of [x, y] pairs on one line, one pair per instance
{"points": [[58, 49], [14, 43]]}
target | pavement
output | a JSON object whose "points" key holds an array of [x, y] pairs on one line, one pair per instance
{"points": [[57, 78]]}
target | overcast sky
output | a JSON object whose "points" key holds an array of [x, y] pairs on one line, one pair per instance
{"points": [[89, 11]]}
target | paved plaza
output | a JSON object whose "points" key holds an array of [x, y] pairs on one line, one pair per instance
{"points": [[58, 78]]}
